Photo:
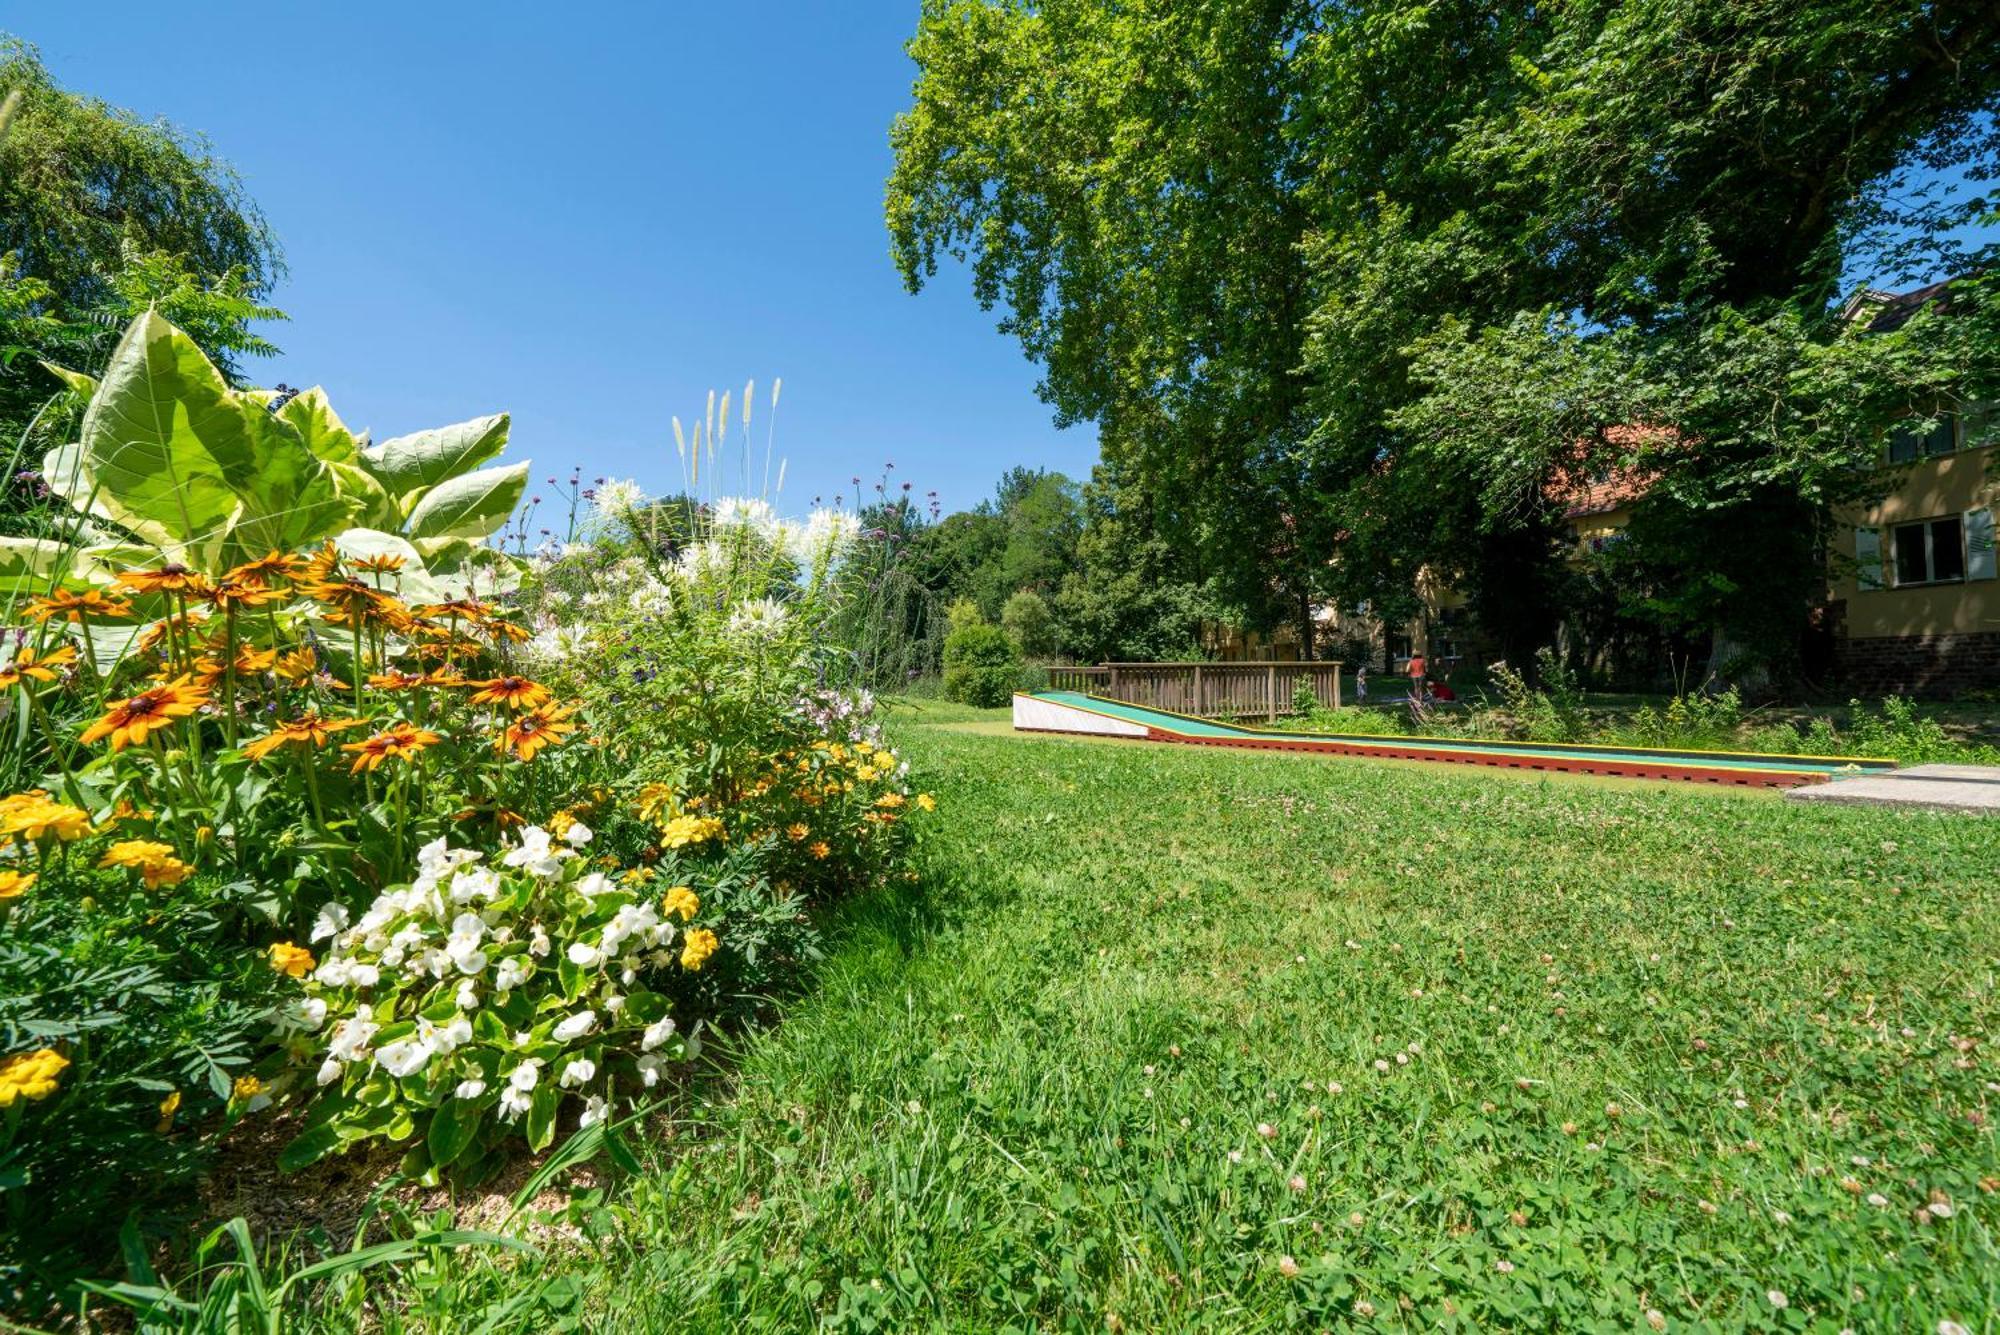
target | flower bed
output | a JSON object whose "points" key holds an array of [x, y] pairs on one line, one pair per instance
{"points": [[383, 832]]}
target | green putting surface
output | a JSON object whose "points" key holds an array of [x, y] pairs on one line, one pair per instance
{"points": [[1183, 726]]}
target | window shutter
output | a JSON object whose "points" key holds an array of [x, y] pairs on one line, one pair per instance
{"points": [[1868, 556], [1979, 562]]}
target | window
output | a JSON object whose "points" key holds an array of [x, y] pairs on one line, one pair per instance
{"points": [[1930, 552], [1908, 444]]}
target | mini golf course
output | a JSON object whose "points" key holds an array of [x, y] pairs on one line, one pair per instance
{"points": [[1092, 715]]}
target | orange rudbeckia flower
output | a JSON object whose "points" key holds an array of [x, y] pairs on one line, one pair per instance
{"points": [[167, 579], [42, 667], [272, 565], [539, 727], [307, 729], [128, 721], [401, 742], [512, 692], [77, 606]]}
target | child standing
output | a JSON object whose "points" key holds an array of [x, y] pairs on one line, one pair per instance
{"points": [[1361, 685]]}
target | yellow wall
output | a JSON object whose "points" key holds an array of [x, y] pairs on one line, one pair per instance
{"points": [[1932, 488]]}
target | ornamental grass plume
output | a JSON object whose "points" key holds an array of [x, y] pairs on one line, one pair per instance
{"points": [[30, 1075], [129, 721]]}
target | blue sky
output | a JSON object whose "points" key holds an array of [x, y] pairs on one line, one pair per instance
{"points": [[589, 215]]}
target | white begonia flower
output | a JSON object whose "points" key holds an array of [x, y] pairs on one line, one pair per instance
{"points": [[595, 1110], [332, 921], [405, 1056], [475, 883], [364, 975], [658, 1032], [468, 996], [329, 1071], [538, 943], [513, 971], [535, 854], [350, 1039], [614, 1003], [576, 1026], [595, 884], [583, 953], [469, 1089], [312, 1012], [650, 1067], [513, 1102], [580, 1071], [578, 834], [525, 1076], [447, 1037], [334, 971]]}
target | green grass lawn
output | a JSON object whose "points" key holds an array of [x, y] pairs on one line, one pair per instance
{"points": [[1193, 1040]]}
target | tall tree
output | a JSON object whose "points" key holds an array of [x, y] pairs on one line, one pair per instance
{"points": [[102, 215]]}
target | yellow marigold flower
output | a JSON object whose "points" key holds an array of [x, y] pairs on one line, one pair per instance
{"points": [[926, 802], [683, 901], [889, 800], [400, 742], [169, 1105], [682, 831], [290, 960], [32, 814], [30, 1075], [655, 800], [155, 862], [640, 876], [14, 884], [247, 1087], [696, 947], [560, 822], [797, 831], [819, 849], [127, 722]]}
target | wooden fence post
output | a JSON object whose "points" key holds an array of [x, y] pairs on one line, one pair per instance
{"points": [[1336, 685], [1271, 693]]}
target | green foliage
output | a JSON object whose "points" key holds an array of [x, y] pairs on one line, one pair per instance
{"points": [[981, 666], [963, 614], [1552, 711], [1029, 623], [159, 1001]]}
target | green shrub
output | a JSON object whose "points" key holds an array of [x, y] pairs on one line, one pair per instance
{"points": [[1030, 624], [981, 666]]}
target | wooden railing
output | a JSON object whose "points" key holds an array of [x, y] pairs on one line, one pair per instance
{"points": [[1206, 690]]}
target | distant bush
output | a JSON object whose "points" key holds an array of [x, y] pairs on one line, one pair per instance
{"points": [[1030, 624], [981, 666]]}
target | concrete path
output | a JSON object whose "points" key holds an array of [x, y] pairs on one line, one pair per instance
{"points": [[1929, 787]]}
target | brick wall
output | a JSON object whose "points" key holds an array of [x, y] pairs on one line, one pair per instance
{"points": [[1930, 665]]}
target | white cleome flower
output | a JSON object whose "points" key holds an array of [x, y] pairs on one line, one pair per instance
{"points": [[739, 514], [619, 495], [758, 619]]}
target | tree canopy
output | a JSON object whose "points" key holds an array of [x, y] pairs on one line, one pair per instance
{"points": [[1351, 291]]}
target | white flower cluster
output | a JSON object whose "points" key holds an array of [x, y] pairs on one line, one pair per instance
{"points": [[454, 975]]}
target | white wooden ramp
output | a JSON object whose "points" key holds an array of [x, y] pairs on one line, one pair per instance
{"points": [[1032, 714]]}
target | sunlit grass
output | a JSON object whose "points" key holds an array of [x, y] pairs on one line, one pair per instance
{"points": [[1177, 1039]]}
